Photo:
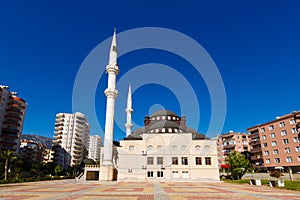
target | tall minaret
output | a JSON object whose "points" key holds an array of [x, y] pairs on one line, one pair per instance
{"points": [[111, 94], [129, 110]]}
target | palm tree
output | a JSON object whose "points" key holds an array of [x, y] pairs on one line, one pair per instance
{"points": [[7, 156]]}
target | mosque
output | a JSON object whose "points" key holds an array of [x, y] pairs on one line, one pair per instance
{"points": [[165, 149]]}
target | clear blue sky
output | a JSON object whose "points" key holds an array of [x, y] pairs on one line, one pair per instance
{"points": [[255, 45]]}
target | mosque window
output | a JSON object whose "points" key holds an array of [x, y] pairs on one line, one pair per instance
{"points": [[176, 130], [169, 117], [174, 118], [184, 160], [160, 160], [174, 147], [159, 147], [170, 130], [183, 147], [163, 117], [153, 118], [150, 147], [206, 147], [207, 160], [180, 131], [150, 174], [150, 160], [197, 148], [157, 118], [156, 130], [151, 131], [160, 174], [198, 161], [174, 160], [131, 148]]}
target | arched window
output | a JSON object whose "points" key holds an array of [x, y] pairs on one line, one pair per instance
{"points": [[197, 148], [150, 148], [183, 147], [174, 148], [159, 147], [131, 148], [206, 147]]}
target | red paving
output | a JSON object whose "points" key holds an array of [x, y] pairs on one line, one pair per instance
{"points": [[70, 189]]}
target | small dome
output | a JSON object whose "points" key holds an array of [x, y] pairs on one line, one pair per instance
{"points": [[164, 113]]}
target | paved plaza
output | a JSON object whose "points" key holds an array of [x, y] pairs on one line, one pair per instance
{"points": [[70, 189]]}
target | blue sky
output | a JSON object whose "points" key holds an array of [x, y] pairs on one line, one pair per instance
{"points": [[254, 44]]}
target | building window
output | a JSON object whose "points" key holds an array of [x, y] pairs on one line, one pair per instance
{"points": [[183, 147], [198, 161], [207, 160], [150, 174], [169, 117], [175, 174], [297, 148], [156, 130], [184, 160], [197, 148], [150, 148], [150, 160], [157, 118], [287, 150], [265, 144], [292, 121], [267, 161], [160, 174], [159, 147], [271, 127], [174, 160], [163, 130], [282, 124], [170, 130], [294, 130], [274, 143], [174, 147], [283, 133], [272, 135], [131, 148], [163, 117], [264, 137], [296, 139], [266, 153], [285, 141], [262, 130], [277, 160], [160, 160], [185, 174], [299, 158], [275, 151], [289, 159]]}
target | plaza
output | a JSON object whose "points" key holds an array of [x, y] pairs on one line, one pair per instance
{"points": [[71, 189]]}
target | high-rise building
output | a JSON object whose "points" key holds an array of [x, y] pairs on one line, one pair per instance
{"points": [[229, 142], [32, 150], [71, 138], [12, 113], [276, 143], [94, 147]]}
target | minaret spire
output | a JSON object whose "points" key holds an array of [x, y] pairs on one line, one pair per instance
{"points": [[129, 110], [111, 94]]}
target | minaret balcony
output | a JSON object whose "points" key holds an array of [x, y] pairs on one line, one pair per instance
{"points": [[110, 92]]}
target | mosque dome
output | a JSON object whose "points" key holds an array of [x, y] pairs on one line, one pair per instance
{"points": [[163, 113]]}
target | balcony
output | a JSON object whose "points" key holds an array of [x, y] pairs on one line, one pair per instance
{"points": [[254, 150], [58, 128], [58, 137]]}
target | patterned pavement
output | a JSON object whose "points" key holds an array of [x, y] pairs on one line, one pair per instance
{"points": [[70, 189]]}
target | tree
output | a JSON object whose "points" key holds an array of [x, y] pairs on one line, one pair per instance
{"points": [[57, 170], [7, 156], [238, 164]]}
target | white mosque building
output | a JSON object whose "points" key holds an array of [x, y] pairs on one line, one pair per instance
{"points": [[165, 149]]}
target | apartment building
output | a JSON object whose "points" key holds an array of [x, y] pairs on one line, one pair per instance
{"points": [[12, 113], [94, 147], [229, 142], [71, 138], [276, 143], [32, 151]]}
